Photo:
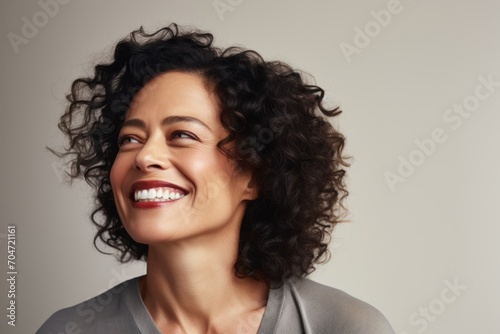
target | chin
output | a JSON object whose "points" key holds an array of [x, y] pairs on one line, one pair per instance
{"points": [[154, 232]]}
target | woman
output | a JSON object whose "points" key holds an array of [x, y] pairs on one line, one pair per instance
{"points": [[221, 171]]}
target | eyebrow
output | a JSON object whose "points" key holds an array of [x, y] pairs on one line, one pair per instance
{"points": [[139, 123]]}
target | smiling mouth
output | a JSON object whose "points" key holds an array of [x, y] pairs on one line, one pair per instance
{"points": [[158, 194]]}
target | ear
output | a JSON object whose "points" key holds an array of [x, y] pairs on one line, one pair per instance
{"points": [[251, 191]]}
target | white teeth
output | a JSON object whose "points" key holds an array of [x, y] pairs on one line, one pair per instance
{"points": [[157, 195], [152, 194]]}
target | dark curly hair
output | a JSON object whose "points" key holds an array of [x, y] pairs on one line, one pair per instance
{"points": [[276, 122]]}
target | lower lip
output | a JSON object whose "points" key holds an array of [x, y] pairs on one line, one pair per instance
{"points": [[152, 204]]}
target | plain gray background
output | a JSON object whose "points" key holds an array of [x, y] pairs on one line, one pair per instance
{"points": [[437, 225]]}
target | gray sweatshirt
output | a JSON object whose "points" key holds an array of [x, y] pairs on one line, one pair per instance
{"points": [[298, 306]]}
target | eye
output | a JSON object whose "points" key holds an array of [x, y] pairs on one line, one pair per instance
{"points": [[126, 140], [183, 135]]}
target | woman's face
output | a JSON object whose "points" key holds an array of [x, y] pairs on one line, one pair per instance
{"points": [[170, 182]]}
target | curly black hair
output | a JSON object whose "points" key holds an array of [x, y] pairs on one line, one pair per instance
{"points": [[277, 123]]}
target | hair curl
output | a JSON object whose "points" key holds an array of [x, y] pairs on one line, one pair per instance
{"points": [[277, 123]]}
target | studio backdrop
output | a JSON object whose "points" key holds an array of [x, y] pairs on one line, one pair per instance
{"points": [[419, 85]]}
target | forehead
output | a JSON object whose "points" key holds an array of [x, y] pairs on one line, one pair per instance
{"points": [[175, 93]]}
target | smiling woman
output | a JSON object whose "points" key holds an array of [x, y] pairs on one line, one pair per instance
{"points": [[168, 147], [223, 173]]}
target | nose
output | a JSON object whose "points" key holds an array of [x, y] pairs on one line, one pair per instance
{"points": [[154, 155]]}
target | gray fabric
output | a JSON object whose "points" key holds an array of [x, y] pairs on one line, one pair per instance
{"points": [[299, 306], [312, 308]]}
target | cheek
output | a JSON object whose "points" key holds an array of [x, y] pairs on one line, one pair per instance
{"points": [[117, 173], [199, 162], [209, 172]]}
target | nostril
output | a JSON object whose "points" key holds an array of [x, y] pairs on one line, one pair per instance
{"points": [[154, 166]]}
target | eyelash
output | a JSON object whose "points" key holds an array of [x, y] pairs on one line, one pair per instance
{"points": [[123, 138], [175, 134], [186, 133]]}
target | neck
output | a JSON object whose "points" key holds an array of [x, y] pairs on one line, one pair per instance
{"points": [[192, 286]]}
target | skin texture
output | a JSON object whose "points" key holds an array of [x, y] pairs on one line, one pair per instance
{"points": [[190, 285]]}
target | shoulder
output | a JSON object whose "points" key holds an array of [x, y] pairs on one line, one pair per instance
{"points": [[329, 310], [96, 315]]}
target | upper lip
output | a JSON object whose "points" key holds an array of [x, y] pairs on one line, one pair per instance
{"points": [[148, 184]]}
